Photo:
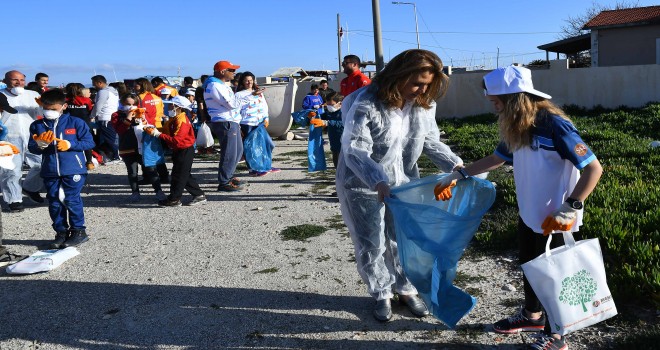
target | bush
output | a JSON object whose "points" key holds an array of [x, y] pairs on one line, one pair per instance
{"points": [[623, 209]]}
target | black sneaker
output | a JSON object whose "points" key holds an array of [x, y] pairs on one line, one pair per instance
{"points": [[60, 238], [230, 187], [169, 203], [197, 200], [16, 207], [548, 342], [76, 238], [34, 196], [519, 323]]}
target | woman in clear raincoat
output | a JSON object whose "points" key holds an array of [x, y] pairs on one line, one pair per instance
{"points": [[388, 125]]}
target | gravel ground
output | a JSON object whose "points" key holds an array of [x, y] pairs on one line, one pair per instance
{"points": [[220, 276]]}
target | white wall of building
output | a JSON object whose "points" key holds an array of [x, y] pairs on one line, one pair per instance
{"points": [[610, 87]]}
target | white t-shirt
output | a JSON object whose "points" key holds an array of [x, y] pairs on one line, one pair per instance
{"points": [[547, 171]]}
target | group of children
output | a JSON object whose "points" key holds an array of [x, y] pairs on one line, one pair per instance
{"points": [[326, 114]]}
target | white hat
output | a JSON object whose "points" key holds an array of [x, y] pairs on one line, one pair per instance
{"points": [[181, 102], [190, 92], [165, 91], [511, 80]]}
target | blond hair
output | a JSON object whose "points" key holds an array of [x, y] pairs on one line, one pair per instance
{"points": [[520, 113], [404, 67]]}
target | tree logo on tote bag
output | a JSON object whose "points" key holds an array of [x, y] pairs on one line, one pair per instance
{"points": [[578, 289]]}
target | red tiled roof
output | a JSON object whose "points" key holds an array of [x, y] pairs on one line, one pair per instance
{"points": [[625, 16]]}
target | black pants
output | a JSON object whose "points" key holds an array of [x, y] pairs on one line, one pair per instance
{"points": [[531, 245], [150, 173], [181, 177]]}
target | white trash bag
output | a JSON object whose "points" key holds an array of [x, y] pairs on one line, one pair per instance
{"points": [[204, 137], [42, 260], [571, 285]]}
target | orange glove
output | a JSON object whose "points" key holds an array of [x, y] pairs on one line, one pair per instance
{"points": [[63, 145], [561, 220], [152, 131], [266, 123], [442, 190], [311, 115], [45, 139], [317, 122], [7, 149]]}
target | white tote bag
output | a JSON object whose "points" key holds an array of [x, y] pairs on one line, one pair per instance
{"points": [[571, 285], [43, 260], [204, 136]]}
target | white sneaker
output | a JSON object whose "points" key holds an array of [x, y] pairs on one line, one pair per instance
{"points": [[161, 195]]}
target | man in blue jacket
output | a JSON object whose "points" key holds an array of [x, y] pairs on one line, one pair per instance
{"points": [[61, 140]]}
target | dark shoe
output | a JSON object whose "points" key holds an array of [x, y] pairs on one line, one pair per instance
{"points": [[197, 200], [169, 203], [548, 342], [230, 187], [34, 196], [60, 238], [76, 238], [259, 173], [519, 323], [236, 181], [16, 207], [383, 310], [415, 304]]}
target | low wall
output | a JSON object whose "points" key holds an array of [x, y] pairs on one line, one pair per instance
{"points": [[610, 87]]}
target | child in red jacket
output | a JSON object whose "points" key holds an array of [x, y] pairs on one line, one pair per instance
{"points": [[180, 137]]}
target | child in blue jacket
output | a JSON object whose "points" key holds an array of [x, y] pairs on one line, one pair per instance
{"points": [[62, 140], [332, 119]]}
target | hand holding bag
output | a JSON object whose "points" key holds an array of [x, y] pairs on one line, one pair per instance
{"points": [[571, 285]]}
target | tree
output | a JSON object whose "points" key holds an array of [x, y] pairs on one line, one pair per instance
{"points": [[575, 23], [578, 290]]}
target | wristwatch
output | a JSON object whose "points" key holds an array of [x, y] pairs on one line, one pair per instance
{"points": [[463, 173], [574, 203]]}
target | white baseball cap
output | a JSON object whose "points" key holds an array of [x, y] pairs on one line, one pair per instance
{"points": [[511, 80], [181, 102], [165, 91]]}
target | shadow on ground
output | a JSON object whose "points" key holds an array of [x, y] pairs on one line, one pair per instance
{"points": [[104, 315]]}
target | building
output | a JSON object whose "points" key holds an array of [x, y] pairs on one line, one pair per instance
{"points": [[625, 37]]}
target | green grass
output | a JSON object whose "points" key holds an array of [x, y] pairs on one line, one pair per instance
{"points": [[623, 209], [302, 232]]}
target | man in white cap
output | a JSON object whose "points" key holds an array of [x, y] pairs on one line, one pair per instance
{"points": [[18, 124], [223, 108]]}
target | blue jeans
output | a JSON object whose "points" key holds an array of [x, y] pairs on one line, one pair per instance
{"points": [[108, 135], [68, 212], [231, 149]]}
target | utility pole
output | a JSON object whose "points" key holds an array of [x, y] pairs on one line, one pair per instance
{"points": [[378, 42], [339, 58]]}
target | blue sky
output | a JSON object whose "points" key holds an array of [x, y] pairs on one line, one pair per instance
{"points": [[71, 40]]}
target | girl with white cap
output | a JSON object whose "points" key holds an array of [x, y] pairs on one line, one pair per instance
{"points": [[547, 153]]}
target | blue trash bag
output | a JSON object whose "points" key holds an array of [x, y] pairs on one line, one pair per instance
{"points": [[3, 131], [315, 153], [300, 117], [258, 148], [153, 152], [432, 235]]}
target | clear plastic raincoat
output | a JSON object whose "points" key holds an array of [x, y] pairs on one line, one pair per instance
{"points": [[382, 144]]}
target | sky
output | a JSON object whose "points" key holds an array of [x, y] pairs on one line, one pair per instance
{"points": [[71, 40]]}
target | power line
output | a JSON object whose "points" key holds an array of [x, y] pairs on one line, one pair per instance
{"points": [[469, 33]]}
